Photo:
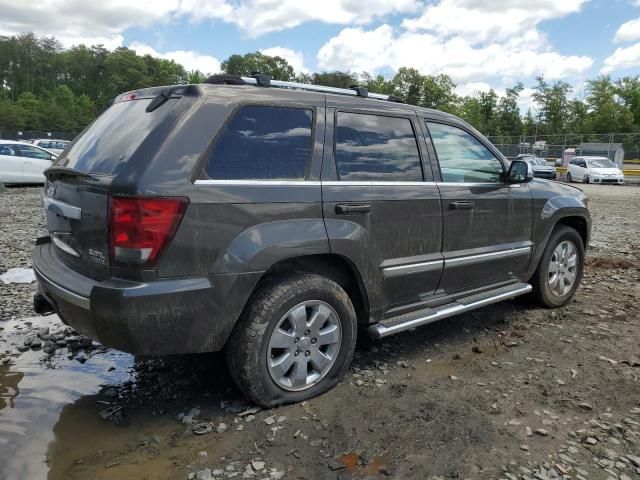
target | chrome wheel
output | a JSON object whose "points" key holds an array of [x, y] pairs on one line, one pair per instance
{"points": [[563, 268], [304, 345]]}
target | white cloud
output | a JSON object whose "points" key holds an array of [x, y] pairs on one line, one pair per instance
{"points": [[356, 49], [475, 42], [628, 31], [190, 60], [495, 20], [81, 21], [78, 21], [293, 57], [471, 89], [256, 17], [622, 58]]}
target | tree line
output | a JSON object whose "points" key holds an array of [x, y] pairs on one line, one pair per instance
{"points": [[46, 87]]}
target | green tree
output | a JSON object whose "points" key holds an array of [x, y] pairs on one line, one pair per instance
{"points": [[245, 65], [553, 103], [334, 79], [607, 113], [508, 119], [628, 89]]}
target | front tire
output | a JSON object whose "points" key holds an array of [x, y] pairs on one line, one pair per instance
{"points": [[294, 341], [586, 178], [560, 269], [569, 178]]}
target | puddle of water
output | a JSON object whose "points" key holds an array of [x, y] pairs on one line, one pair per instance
{"points": [[34, 392]]}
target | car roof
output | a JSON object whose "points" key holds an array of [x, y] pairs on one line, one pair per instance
{"points": [[591, 157]]}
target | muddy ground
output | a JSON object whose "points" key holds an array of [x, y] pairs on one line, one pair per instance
{"points": [[509, 391]]}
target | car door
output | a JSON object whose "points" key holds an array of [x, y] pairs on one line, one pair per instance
{"points": [[379, 210], [584, 169], [487, 223], [10, 164], [577, 169], [35, 162]]}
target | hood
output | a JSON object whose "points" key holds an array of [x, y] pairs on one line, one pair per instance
{"points": [[605, 171]]}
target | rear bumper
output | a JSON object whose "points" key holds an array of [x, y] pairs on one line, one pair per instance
{"points": [[166, 316]]}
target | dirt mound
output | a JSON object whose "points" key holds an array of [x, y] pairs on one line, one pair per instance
{"points": [[611, 262]]}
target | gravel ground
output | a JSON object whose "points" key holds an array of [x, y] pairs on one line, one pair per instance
{"points": [[509, 391], [21, 219]]}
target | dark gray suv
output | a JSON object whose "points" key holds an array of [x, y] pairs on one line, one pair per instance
{"points": [[270, 219]]}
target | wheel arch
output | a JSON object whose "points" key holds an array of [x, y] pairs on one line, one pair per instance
{"points": [[578, 223], [336, 267]]}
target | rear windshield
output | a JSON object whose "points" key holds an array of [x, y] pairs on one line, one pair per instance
{"points": [[109, 142]]}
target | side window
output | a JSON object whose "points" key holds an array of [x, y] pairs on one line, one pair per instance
{"points": [[372, 147], [263, 143], [32, 152], [7, 150], [462, 157]]}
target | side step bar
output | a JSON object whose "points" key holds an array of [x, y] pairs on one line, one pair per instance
{"points": [[410, 320]]}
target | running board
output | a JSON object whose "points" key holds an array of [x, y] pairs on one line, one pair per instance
{"points": [[410, 320]]}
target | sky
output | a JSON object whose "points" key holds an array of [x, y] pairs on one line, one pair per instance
{"points": [[480, 44]]}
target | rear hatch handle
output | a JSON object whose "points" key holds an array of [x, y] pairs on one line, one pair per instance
{"points": [[62, 208]]}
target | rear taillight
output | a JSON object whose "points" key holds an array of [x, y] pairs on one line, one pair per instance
{"points": [[140, 228]]}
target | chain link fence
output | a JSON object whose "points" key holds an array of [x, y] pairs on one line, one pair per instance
{"points": [[621, 148], [34, 135]]}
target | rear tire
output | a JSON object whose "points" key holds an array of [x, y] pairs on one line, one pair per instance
{"points": [[310, 310], [569, 177], [558, 275]]}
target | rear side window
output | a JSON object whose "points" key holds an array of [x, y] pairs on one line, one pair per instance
{"points": [[110, 141], [376, 148], [263, 143]]}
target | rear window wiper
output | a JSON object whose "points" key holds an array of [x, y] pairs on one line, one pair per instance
{"points": [[57, 170]]}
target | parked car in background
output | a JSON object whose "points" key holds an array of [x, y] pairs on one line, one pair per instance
{"points": [[594, 170], [540, 166], [23, 163], [55, 146], [295, 215]]}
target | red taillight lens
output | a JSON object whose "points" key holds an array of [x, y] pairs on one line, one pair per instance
{"points": [[140, 228]]}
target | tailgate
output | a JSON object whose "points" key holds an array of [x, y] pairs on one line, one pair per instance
{"points": [[77, 219]]}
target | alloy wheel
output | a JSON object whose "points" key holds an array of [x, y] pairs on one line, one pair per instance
{"points": [[304, 345], [563, 268]]}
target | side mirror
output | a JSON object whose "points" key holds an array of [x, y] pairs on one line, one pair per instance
{"points": [[520, 172]]}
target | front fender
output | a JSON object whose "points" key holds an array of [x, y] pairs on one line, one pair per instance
{"points": [[550, 211]]}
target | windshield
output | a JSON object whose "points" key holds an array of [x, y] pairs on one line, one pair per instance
{"points": [[601, 163]]}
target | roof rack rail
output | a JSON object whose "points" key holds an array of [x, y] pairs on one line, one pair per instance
{"points": [[355, 91]]}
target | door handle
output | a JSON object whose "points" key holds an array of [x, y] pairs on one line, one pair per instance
{"points": [[461, 205], [347, 208]]}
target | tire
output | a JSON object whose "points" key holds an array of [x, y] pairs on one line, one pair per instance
{"points": [[543, 277], [569, 177], [586, 178], [251, 352]]}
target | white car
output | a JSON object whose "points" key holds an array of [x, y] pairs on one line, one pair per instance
{"points": [[54, 146], [594, 170], [23, 163]]}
